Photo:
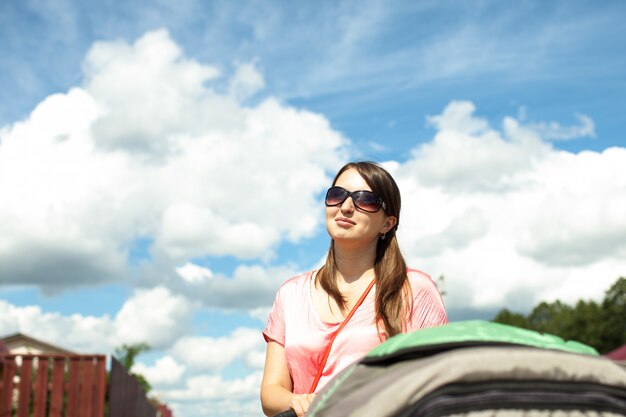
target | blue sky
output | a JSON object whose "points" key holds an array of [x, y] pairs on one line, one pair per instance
{"points": [[175, 155]]}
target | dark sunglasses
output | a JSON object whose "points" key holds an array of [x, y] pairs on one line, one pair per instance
{"points": [[363, 200]]}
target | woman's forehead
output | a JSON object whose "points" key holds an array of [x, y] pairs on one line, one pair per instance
{"points": [[351, 180]]}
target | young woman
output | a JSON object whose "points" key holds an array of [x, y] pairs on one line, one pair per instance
{"points": [[364, 272]]}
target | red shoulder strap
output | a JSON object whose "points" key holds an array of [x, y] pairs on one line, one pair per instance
{"points": [[322, 365]]}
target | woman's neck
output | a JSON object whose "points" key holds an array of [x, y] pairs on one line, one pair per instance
{"points": [[354, 263]]}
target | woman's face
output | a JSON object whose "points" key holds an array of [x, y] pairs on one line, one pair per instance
{"points": [[347, 222]]}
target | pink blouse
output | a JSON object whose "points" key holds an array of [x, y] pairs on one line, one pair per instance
{"points": [[294, 322]]}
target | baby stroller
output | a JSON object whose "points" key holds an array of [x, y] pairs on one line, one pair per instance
{"points": [[476, 369]]}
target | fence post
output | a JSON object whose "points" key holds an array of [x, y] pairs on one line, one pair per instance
{"points": [[24, 387], [8, 367], [58, 380], [41, 388], [100, 387]]}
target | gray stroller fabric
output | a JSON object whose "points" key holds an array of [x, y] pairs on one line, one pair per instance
{"points": [[479, 382]]}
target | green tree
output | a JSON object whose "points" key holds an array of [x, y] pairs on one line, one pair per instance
{"points": [[614, 316], [602, 326], [550, 317], [506, 316], [583, 324], [126, 355]]}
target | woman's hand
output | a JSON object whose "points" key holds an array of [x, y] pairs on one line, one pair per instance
{"points": [[300, 403]]}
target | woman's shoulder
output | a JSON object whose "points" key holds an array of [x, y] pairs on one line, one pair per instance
{"points": [[419, 279], [414, 273], [428, 308], [296, 283]]}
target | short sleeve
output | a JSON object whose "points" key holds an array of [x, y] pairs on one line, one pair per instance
{"points": [[428, 307], [275, 328]]}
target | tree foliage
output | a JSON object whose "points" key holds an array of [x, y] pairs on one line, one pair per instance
{"points": [[601, 325]]}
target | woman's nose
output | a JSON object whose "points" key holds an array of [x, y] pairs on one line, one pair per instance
{"points": [[348, 205]]}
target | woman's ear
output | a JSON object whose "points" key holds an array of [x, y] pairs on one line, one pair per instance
{"points": [[390, 222]]}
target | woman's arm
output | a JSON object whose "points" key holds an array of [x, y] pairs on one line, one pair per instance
{"points": [[276, 395]]}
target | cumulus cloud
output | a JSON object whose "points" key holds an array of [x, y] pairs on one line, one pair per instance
{"points": [[193, 273], [246, 82], [261, 313], [458, 117], [56, 199], [87, 334], [216, 396], [149, 94], [149, 146], [554, 131], [211, 387], [250, 287], [467, 155], [191, 377], [579, 217], [462, 230], [508, 219], [256, 359], [222, 407], [154, 316], [215, 354], [165, 372]]}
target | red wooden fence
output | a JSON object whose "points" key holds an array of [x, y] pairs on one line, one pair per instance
{"points": [[164, 411], [52, 385]]}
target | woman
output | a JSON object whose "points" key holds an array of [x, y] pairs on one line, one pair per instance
{"points": [[362, 214]]}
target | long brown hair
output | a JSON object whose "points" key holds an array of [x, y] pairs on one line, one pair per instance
{"points": [[389, 265]]}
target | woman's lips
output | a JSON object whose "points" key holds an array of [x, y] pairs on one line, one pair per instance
{"points": [[342, 221]]}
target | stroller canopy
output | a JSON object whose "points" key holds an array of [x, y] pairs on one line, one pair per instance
{"points": [[476, 368]]}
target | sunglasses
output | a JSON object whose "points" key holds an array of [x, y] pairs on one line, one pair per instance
{"points": [[363, 200]]}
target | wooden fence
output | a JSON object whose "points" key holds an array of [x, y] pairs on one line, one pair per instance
{"points": [[52, 385], [70, 386], [164, 411], [126, 397]]}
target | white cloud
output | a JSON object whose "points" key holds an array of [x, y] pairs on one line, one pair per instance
{"points": [[148, 147], [165, 372], [554, 131], [190, 377], [246, 82], [150, 94], [250, 287], [458, 116], [193, 273], [215, 354], [255, 359], [204, 387], [223, 407], [468, 156], [508, 219], [152, 316], [87, 334], [216, 396], [261, 313], [56, 199], [460, 232]]}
